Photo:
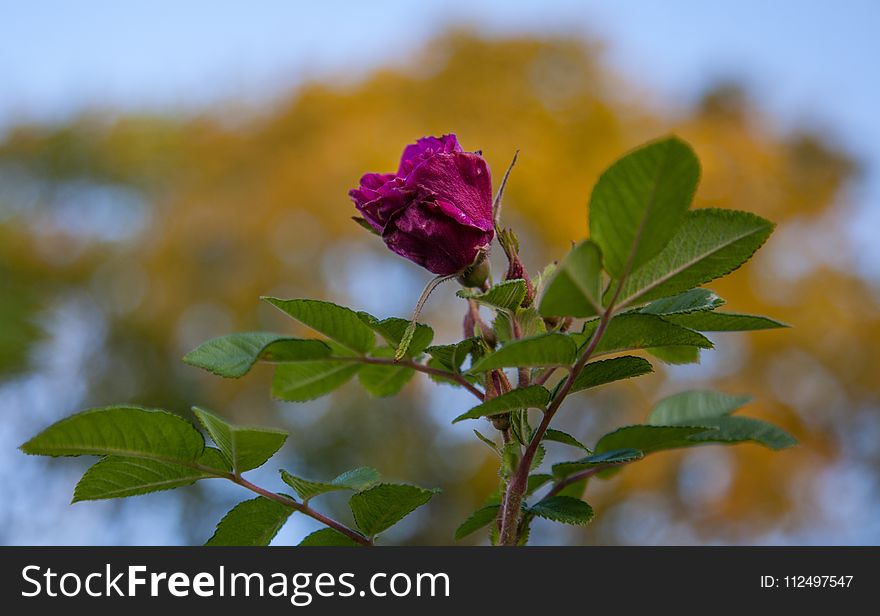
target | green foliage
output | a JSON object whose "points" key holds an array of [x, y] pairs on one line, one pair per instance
{"points": [[507, 295], [328, 537], [530, 324], [712, 409], [477, 520], [709, 244], [384, 505], [723, 321], [384, 380], [676, 354], [357, 479], [121, 431], [565, 509], [694, 418], [565, 438], [336, 322], [613, 457], [536, 480], [451, 357], [628, 332], [546, 350], [253, 522], [695, 300], [639, 202], [636, 280], [393, 329], [574, 290], [304, 381], [532, 397], [606, 371], [119, 476], [243, 448], [744, 429], [647, 439], [234, 355], [690, 407]]}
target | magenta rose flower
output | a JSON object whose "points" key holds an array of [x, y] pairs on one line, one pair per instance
{"points": [[436, 210]]}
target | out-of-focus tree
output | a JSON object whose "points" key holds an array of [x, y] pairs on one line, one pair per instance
{"points": [[170, 229]]}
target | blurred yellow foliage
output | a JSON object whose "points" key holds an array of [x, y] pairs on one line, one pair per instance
{"points": [[242, 206]]}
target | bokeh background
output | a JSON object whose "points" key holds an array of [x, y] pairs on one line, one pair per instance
{"points": [[164, 164]]}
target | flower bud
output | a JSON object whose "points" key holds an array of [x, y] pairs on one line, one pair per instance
{"points": [[436, 210]]}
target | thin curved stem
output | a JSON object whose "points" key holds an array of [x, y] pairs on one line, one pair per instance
{"points": [[496, 204], [413, 323], [542, 378], [302, 508], [559, 486], [404, 363]]}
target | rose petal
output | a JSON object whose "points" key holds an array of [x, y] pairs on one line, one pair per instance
{"points": [[432, 234], [461, 179], [378, 197], [423, 148]]}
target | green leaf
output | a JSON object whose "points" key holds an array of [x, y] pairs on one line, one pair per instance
{"points": [[384, 380], [531, 323], [392, 330], [384, 505], [540, 452], [507, 295], [253, 522], [694, 300], [336, 322], [118, 477], [574, 290], [723, 321], [691, 407], [511, 453], [533, 396], [627, 332], [744, 429], [676, 355], [362, 222], [120, 431], [305, 381], [328, 537], [648, 439], [546, 350], [234, 355], [711, 409], [709, 244], [520, 426], [477, 520], [357, 479], [640, 201], [599, 373], [565, 509], [559, 436], [451, 356], [245, 448], [608, 458], [489, 442], [536, 480]]}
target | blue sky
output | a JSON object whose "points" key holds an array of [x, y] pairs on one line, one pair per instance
{"points": [[808, 61]]}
